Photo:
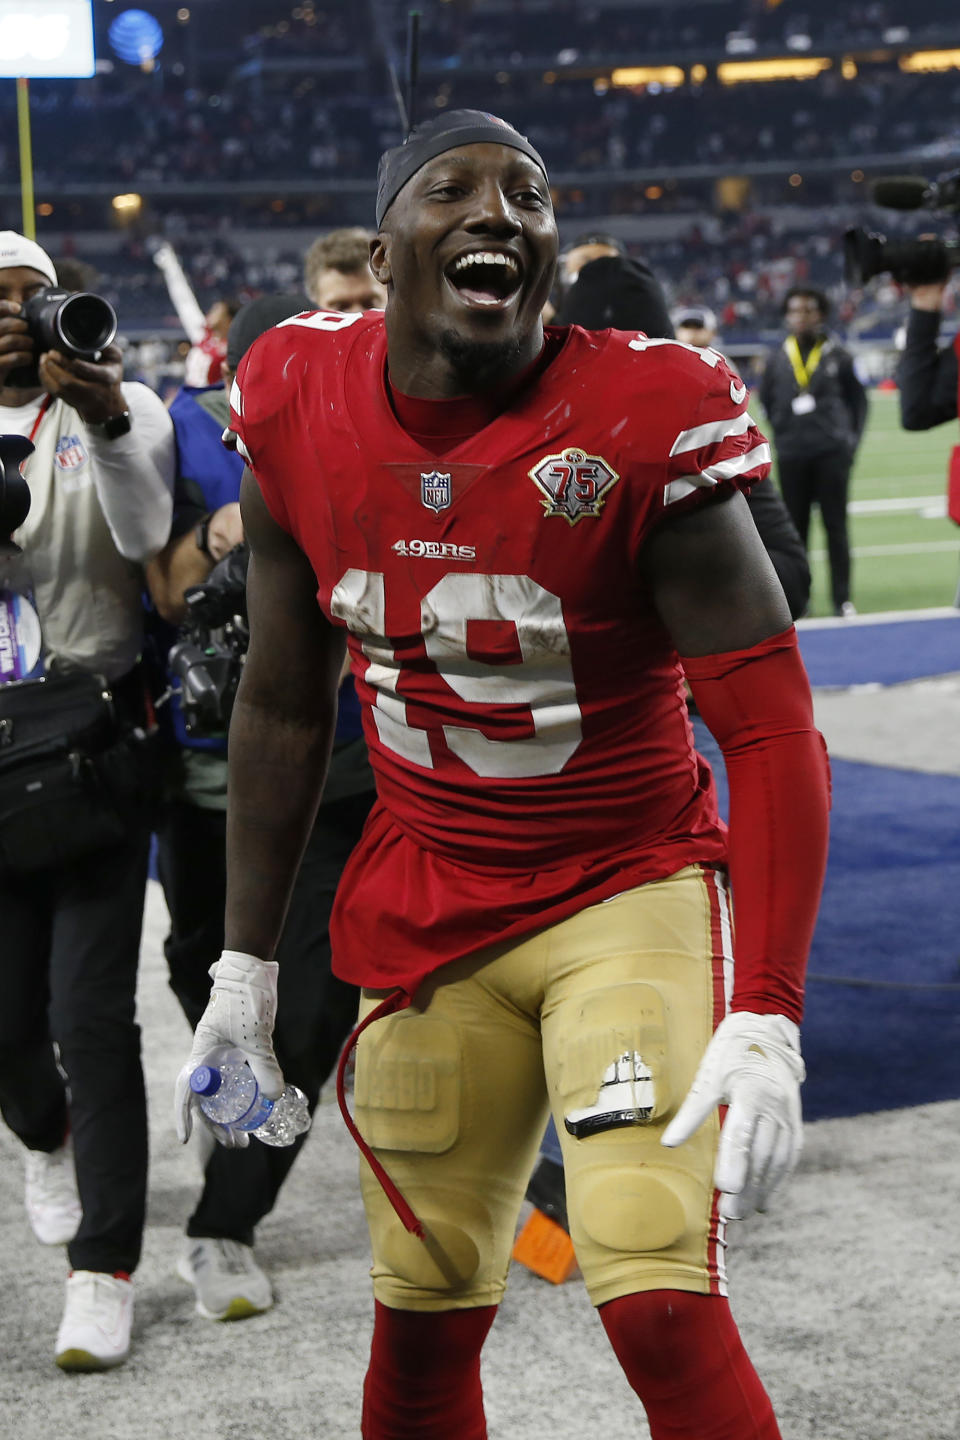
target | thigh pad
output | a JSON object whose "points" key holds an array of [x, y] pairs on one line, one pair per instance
{"points": [[407, 1084]]}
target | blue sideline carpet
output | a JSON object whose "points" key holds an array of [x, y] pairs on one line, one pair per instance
{"points": [[888, 653], [882, 1027], [882, 1023]]}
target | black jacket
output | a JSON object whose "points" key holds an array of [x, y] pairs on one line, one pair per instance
{"points": [[782, 543], [836, 423], [927, 375]]}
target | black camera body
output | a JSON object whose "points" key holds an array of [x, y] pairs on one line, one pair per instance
{"points": [[79, 324], [926, 261], [207, 661]]}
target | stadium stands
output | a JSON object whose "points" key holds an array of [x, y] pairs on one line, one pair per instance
{"points": [[259, 126]]}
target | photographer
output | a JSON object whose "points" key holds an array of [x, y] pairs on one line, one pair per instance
{"points": [[74, 837], [316, 1010]]}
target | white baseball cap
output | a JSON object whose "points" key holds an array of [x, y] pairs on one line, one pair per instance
{"points": [[697, 316], [18, 250]]}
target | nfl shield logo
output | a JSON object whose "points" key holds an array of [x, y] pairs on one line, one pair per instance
{"points": [[435, 491], [70, 454]]}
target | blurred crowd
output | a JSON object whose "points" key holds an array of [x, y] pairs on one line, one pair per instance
{"points": [[240, 127], [301, 101]]}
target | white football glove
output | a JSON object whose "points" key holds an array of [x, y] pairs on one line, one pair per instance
{"points": [[240, 1012], [753, 1065]]}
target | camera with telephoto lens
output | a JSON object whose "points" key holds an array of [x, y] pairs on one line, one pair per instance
{"points": [[78, 324], [207, 661], [924, 261]]}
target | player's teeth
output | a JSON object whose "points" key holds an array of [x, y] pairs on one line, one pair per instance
{"points": [[487, 257]]}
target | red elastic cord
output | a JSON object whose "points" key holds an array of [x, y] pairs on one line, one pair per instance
{"points": [[757, 704], [396, 1000]]}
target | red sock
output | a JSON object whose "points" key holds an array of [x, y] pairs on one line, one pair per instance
{"points": [[683, 1355], [423, 1382]]}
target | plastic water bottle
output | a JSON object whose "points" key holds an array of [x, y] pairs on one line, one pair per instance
{"points": [[229, 1095]]}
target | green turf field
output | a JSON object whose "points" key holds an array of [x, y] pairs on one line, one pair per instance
{"points": [[903, 559]]}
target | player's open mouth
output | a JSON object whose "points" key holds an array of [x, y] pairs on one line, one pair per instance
{"points": [[485, 279]]}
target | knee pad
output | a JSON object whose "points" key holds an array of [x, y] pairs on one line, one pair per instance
{"points": [[613, 1065], [639, 1209], [407, 1084], [444, 1261]]}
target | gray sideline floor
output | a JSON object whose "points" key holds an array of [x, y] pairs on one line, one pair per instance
{"points": [[846, 1294]]}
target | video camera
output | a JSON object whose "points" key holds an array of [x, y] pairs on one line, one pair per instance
{"points": [[910, 262], [78, 324], [207, 662]]}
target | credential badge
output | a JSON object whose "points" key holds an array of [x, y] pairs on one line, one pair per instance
{"points": [[575, 484], [435, 491]]}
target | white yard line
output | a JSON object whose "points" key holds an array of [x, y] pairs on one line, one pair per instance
{"points": [[877, 617], [931, 505], [868, 552]]}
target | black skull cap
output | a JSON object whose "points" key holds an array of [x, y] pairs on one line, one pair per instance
{"points": [[436, 136], [256, 317]]}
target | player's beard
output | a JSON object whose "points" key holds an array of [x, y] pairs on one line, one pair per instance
{"points": [[480, 364]]}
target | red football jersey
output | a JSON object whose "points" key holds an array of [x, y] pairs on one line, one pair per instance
{"points": [[523, 702], [204, 363]]}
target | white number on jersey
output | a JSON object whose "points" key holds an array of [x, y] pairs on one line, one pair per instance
{"points": [[542, 680], [708, 356], [324, 320]]}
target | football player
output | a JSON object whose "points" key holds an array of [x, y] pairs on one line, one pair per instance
{"points": [[526, 539]]}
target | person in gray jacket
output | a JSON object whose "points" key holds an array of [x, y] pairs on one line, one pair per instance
{"points": [[101, 489], [817, 409]]}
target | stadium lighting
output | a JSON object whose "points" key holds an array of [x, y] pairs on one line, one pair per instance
{"points": [[848, 68], [787, 67], [924, 61], [629, 75], [127, 205]]}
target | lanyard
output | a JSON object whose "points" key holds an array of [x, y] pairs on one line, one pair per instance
{"points": [[803, 371], [47, 402]]}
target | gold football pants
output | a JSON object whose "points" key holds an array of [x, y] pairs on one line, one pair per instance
{"points": [[603, 1018]]}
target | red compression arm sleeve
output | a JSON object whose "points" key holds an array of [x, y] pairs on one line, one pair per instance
{"points": [[758, 707]]}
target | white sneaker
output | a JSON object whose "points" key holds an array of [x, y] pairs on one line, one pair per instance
{"points": [[53, 1205], [847, 610], [229, 1283], [94, 1333]]}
